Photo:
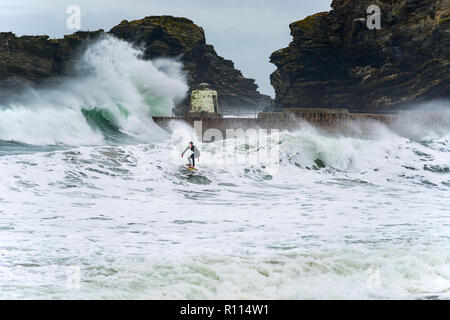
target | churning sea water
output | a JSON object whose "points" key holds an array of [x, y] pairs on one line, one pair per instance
{"points": [[94, 204]]}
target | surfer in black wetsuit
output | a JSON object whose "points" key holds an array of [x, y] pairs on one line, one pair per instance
{"points": [[195, 154]]}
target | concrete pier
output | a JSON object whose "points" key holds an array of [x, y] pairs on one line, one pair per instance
{"points": [[289, 119]]}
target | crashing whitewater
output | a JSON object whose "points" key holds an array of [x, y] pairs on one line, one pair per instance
{"points": [[112, 84], [92, 188]]}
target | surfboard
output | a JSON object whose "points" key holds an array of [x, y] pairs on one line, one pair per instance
{"points": [[190, 168]]}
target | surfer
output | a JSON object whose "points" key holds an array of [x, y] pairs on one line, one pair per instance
{"points": [[195, 154]]}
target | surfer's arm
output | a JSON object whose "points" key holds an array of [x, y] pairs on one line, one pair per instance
{"points": [[184, 151]]}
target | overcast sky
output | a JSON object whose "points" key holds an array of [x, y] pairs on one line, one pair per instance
{"points": [[245, 31]]}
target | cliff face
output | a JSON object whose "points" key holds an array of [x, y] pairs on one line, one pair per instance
{"points": [[32, 59], [334, 60]]}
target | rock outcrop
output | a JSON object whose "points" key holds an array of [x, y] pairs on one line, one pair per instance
{"points": [[33, 59], [335, 60]]}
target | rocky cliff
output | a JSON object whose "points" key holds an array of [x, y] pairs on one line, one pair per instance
{"points": [[33, 59], [335, 60]]}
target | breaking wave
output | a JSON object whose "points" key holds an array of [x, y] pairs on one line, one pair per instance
{"points": [[113, 92], [360, 215]]}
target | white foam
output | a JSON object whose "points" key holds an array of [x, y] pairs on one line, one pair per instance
{"points": [[139, 226]]}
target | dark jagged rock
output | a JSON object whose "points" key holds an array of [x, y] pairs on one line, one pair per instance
{"points": [[334, 60], [32, 59]]}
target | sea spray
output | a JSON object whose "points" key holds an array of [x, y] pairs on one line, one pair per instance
{"points": [[112, 80], [138, 226], [360, 215], [371, 222]]}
